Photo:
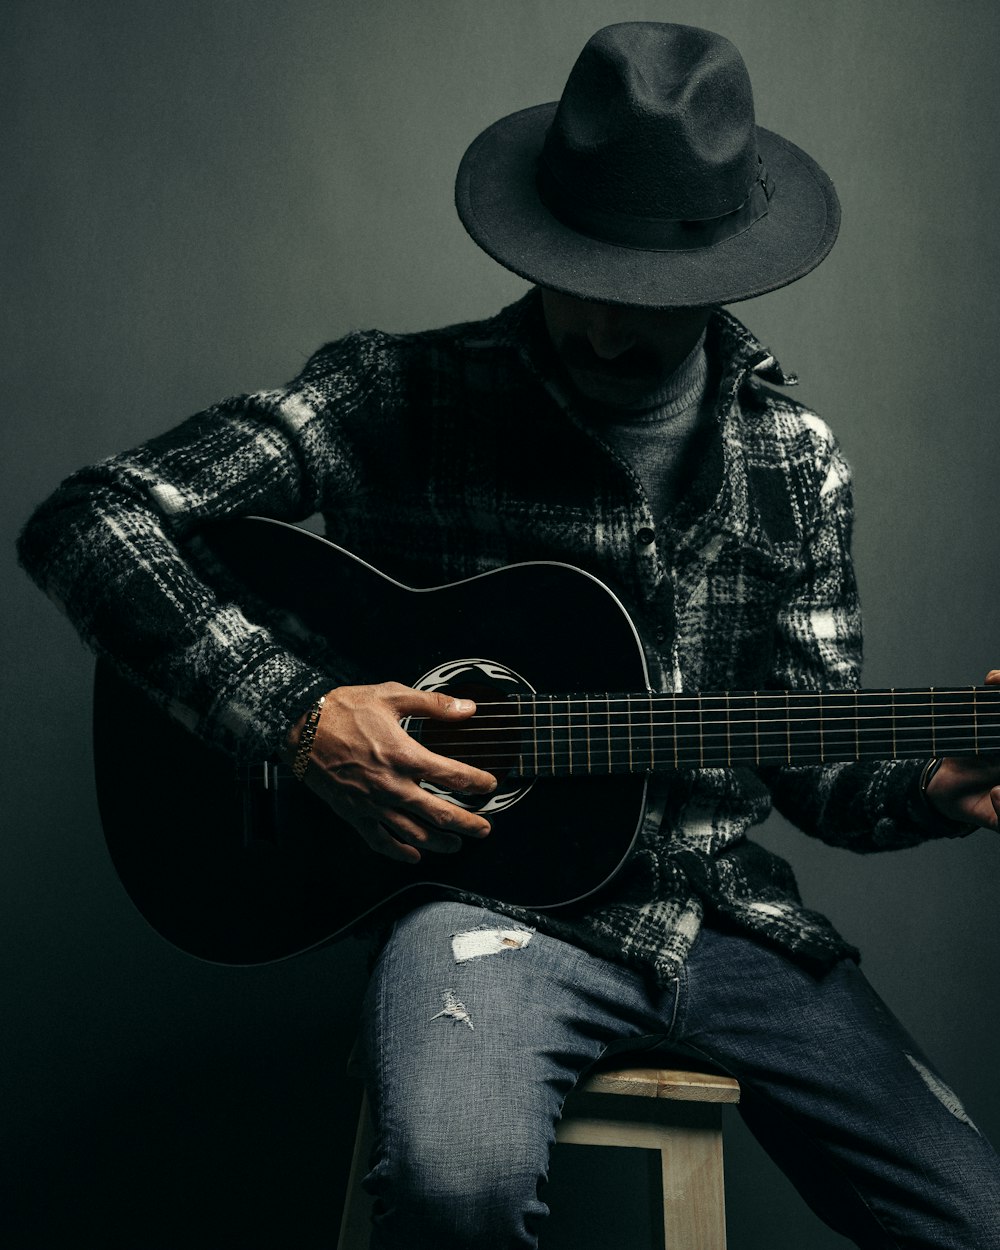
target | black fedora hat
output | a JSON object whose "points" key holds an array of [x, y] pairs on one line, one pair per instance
{"points": [[648, 183]]}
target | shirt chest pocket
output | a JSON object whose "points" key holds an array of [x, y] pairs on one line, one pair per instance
{"points": [[728, 610]]}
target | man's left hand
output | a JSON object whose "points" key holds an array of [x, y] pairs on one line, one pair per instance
{"points": [[967, 788]]}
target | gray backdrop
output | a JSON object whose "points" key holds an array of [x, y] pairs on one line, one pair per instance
{"points": [[199, 194]]}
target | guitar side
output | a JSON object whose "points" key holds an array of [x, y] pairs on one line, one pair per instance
{"points": [[249, 867]]}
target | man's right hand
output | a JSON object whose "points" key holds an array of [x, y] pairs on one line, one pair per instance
{"points": [[368, 769]]}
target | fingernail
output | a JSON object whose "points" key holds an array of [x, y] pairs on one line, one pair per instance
{"points": [[463, 705]]}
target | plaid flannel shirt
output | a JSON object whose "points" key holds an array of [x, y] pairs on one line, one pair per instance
{"points": [[439, 455]]}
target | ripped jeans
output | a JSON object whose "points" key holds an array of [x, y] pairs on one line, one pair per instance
{"points": [[475, 1029]]}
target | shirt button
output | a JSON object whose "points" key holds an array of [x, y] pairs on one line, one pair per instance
{"points": [[646, 536], [659, 634]]}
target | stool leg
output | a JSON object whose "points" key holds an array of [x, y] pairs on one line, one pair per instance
{"points": [[355, 1225], [688, 1137], [694, 1211]]}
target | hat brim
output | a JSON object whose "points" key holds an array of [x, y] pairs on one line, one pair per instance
{"points": [[499, 205]]}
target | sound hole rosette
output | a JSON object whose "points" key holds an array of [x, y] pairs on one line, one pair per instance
{"points": [[487, 740]]}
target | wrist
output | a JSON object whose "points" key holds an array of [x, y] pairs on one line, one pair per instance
{"points": [[302, 736]]}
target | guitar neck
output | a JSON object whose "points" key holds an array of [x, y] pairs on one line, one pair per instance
{"points": [[562, 735]]}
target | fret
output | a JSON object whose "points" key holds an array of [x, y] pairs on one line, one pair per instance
{"points": [[565, 733], [841, 729], [673, 722], [739, 738], [729, 732], [605, 734], [857, 728], [519, 700], [875, 728], [686, 731], [934, 749], [892, 699], [586, 726], [913, 723], [534, 732], [805, 728], [628, 719], [652, 736], [955, 728], [822, 745], [715, 734], [771, 731], [788, 729]]}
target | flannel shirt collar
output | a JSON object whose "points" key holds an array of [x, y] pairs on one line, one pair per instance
{"points": [[717, 503]]}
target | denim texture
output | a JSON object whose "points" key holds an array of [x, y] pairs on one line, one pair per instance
{"points": [[472, 1046]]}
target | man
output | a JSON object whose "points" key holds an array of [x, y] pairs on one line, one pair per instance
{"points": [[615, 418]]}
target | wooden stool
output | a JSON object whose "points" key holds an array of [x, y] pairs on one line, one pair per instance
{"points": [[678, 1112], [622, 1103]]}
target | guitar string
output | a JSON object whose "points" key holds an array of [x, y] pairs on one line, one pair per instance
{"points": [[959, 744], [691, 752], [985, 745], [686, 758], [979, 694], [725, 724], [711, 717]]}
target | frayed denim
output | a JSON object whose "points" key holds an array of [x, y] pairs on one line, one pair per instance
{"points": [[475, 1029]]}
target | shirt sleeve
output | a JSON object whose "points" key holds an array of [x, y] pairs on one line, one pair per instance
{"points": [[866, 806], [110, 548]]}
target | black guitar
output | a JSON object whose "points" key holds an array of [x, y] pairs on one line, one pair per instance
{"points": [[245, 865]]}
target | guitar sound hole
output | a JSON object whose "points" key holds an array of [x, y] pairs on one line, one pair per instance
{"points": [[490, 739]]}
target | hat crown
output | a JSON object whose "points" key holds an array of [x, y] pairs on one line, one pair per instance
{"points": [[657, 122]]}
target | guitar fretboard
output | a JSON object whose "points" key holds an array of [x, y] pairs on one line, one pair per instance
{"points": [[563, 735]]}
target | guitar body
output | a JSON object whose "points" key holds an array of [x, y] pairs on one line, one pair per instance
{"points": [[247, 866]]}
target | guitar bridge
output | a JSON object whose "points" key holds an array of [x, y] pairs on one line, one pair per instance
{"points": [[259, 785]]}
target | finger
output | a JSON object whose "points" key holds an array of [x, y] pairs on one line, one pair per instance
{"points": [[448, 817], [995, 799], [993, 677], [415, 834], [382, 841], [447, 774], [408, 702]]}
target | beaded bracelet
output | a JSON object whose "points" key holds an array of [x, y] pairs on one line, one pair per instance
{"points": [[307, 738]]}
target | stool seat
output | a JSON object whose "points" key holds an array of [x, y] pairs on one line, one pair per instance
{"points": [[622, 1101], [627, 1073]]}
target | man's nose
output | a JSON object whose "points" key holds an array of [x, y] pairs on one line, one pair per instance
{"points": [[609, 333]]}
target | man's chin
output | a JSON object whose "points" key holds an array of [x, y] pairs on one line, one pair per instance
{"points": [[615, 391]]}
